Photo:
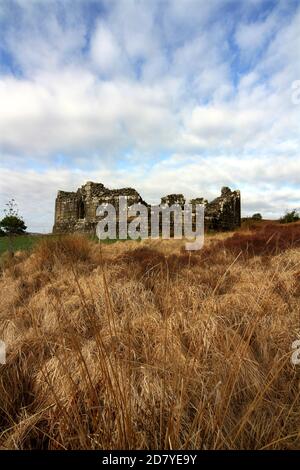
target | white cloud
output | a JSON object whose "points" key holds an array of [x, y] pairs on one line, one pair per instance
{"points": [[41, 41], [253, 36], [74, 112], [141, 81], [268, 185], [106, 53]]}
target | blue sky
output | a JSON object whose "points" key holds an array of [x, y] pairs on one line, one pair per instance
{"points": [[165, 96]]}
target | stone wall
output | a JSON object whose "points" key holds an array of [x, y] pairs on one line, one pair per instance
{"points": [[224, 212], [76, 211]]}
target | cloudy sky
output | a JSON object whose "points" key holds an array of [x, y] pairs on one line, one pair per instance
{"points": [[165, 96]]}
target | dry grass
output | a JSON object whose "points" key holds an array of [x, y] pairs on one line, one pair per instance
{"points": [[143, 345]]}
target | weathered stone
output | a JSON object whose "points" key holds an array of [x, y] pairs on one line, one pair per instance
{"points": [[224, 212], [172, 199], [76, 211], [198, 201]]}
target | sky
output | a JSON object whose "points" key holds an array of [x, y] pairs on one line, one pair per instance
{"points": [[165, 96]]}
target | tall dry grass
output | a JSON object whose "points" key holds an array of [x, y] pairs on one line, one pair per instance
{"points": [[145, 346]]}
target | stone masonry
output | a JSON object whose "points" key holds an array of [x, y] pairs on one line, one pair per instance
{"points": [[76, 211]]}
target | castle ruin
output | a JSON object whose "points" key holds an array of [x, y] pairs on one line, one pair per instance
{"points": [[76, 211]]}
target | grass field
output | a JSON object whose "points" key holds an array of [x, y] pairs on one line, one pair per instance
{"points": [[27, 242], [147, 346], [21, 242]]}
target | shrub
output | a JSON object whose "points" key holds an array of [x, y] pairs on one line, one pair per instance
{"points": [[13, 225], [289, 217], [271, 239], [68, 249], [257, 216]]}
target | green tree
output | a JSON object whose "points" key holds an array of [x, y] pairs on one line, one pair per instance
{"points": [[290, 216], [12, 224], [257, 216]]}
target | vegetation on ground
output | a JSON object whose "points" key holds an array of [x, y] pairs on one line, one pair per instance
{"points": [[19, 243], [147, 346], [290, 217], [12, 223]]}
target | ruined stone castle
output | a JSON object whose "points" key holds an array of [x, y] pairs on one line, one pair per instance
{"points": [[76, 211]]}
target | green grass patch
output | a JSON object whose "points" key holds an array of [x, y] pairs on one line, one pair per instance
{"points": [[27, 242], [20, 242]]}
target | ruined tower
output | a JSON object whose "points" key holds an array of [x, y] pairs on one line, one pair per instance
{"points": [[76, 211], [224, 212]]}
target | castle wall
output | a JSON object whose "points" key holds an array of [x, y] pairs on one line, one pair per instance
{"points": [[66, 211], [76, 211], [224, 212]]}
